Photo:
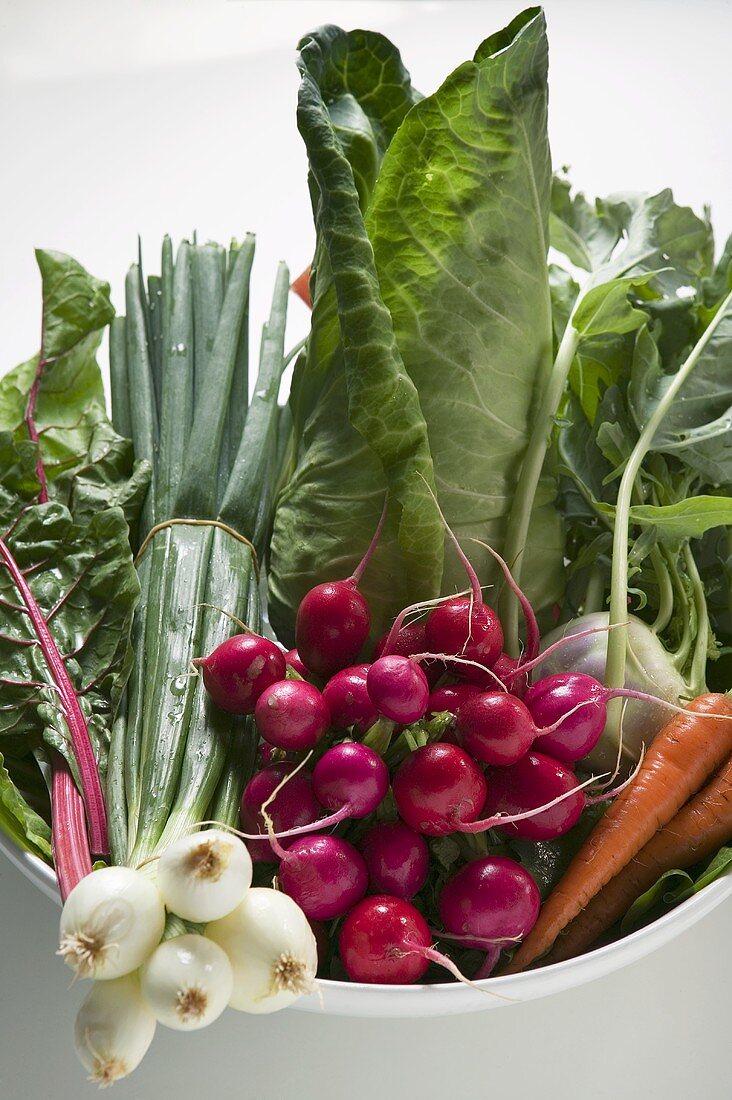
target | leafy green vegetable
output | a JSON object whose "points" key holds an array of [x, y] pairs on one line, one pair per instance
{"points": [[458, 224], [19, 821], [82, 578], [74, 549]]}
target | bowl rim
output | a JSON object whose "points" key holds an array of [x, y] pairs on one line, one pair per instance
{"points": [[44, 878]]}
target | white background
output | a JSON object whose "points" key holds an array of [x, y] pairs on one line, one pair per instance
{"points": [[119, 117]]}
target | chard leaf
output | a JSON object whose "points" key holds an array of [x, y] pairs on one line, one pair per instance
{"points": [[20, 821], [82, 578], [697, 428], [75, 304], [86, 464]]}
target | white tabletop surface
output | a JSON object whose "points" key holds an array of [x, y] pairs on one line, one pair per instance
{"points": [[173, 115]]}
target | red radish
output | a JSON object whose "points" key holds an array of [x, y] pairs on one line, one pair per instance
{"points": [[350, 779], [398, 688], [493, 900], [348, 699], [292, 714], [495, 728], [387, 940], [451, 697], [325, 875], [531, 783], [438, 788], [505, 668], [333, 619], [292, 659], [294, 805], [409, 639], [380, 942], [533, 636], [576, 704], [405, 642], [466, 628], [238, 671], [397, 859]]}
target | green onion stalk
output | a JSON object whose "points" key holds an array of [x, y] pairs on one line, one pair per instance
{"points": [[180, 373]]}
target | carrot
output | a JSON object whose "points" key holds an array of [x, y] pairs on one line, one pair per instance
{"points": [[301, 287], [697, 831], [681, 758]]}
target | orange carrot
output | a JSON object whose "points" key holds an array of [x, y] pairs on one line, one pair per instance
{"points": [[681, 758], [301, 287], [697, 831]]}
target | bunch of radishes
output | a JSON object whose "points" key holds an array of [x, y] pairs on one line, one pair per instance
{"points": [[257, 952], [316, 700]]}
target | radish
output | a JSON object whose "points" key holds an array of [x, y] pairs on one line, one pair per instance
{"points": [[325, 875], [381, 941], [576, 705], [203, 876], [110, 923], [398, 688], [467, 628], [351, 780], [491, 902], [292, 714], [438, 788], [464, 625], [238, 671], [450, 697], [348, 699], [397, 859], [386, 940], [333, 619], [648, 668], [293, 661], [495, 728], [407, 640], [528, 785], [294, 805], [506, 668]]}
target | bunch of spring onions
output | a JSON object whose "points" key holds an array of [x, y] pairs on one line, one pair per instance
{"points": [[258, 953], [179, 368]]}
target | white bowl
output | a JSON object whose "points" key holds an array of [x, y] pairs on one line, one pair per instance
{"points": [[354, 999]]}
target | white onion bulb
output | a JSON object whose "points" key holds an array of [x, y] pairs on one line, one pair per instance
{"points": [[110, 923], [187, 982], [271, 948], [113, 1030], [203, 876]]}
